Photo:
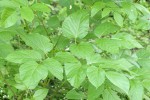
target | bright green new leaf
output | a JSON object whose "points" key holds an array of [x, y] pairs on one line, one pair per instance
{"points": [[65, 57], [22, 56], [38, 42], [54, 67], [76, 25], [40, 7], [96, 8], [136, 91], [9, 17], [96, 76], [118, 18], [31, 73], [110, 95], [75, 73], [105, 28], [120, 80], [40, 94], [27, 13], [82, 50]]}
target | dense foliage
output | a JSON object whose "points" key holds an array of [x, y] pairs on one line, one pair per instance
{"points": [[74, 49]]}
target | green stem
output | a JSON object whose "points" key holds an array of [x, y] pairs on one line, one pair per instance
{"points": [[41, 21], [75, 41], [27, 26]]}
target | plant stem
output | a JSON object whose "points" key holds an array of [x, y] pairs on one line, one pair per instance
{"points": [[42, 23], [75, 40]]}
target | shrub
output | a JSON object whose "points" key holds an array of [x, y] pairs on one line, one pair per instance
{"points": [[74, 49]]}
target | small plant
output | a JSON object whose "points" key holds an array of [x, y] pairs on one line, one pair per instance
{"points": [[74, 49]]}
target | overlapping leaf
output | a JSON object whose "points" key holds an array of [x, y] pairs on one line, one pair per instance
{"points": [[31, 73], [54, 67], [119, 80], [22, 56], [38, 42]]}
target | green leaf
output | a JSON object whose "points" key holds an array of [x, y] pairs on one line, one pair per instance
{"points": [[117, 42], [106, 12], [95, 58], [131, 12], [8, 4], [19, 84], [94, 93], [144, 58], [127, 40], [105, 28], [145, 63], [109, 45], [9, 17], [54, 67], [96, 76], [6, 36], [66, 3], [54, 22], [31, 73], [118, 18], [38, 42], [22, 56], [65, 57], [146, 83], [75, 73], [142, 8], [96, 8], [27, 13], [76, 25], [21, 2], [117, 64], [72, 94], [40, 7], [143, 53], [40, 94], [110, 95], [119, 80], [5, 45], [136, 91], [82, 50]]}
